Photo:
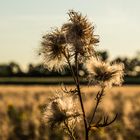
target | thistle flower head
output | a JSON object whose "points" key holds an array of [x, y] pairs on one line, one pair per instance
{"points": [[63, 108], [79, 32], [53, 46], [103, 73]]}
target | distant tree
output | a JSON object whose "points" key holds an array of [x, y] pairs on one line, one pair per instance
{"points": [[5, 70], [37, 70], [132, 65], [103, 54], [15, 69], [11, 69]]}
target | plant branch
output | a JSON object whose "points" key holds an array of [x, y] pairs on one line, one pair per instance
{"points": [[76, 80], [69, 131], [80, 97], [71, 69], [104, 123], [98, 99]]}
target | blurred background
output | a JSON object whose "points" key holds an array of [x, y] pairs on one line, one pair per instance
{"points": [[25, 85]]}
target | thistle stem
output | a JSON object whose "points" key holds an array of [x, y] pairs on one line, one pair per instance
{"points": [[69, 131], [98, 99], [76, 80], [80, 97]]}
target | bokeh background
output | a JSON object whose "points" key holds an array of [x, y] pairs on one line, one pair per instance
{"points": [[25, 86]]}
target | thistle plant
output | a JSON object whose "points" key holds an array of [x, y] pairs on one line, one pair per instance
{"points": [[69, 46]]}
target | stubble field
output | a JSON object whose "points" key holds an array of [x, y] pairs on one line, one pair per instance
{"points": [[21, 109]]}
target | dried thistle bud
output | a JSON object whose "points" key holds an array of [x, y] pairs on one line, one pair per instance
{"points": [[79, 33], [103, 73], [53, 47], [62, 108]]}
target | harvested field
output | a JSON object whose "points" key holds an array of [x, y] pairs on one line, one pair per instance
{"points": [[21, 112]]}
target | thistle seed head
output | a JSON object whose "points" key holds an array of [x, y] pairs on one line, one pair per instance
{"points": [[79, 32], [103, 73], [53, 47], [62, 108]]}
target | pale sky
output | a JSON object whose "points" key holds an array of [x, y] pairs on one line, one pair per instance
{"points": [[23, 22]]}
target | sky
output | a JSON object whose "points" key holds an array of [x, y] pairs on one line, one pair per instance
{"points": [[24, 22]]}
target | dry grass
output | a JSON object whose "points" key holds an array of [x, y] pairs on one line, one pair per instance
{"points": [[21, 95], [30, 99]]}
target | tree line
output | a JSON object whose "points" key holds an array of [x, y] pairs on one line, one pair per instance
{"points": [[132, 68]]}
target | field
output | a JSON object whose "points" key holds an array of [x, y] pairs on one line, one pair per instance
{"points": [[54, 80], [21, 110]]}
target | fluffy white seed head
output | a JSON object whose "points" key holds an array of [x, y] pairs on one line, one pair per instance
{"points": [[62, 108], [104, 73], [53, 46]]}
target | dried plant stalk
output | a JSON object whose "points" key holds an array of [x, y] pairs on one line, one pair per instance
{"points": [[72, 45]]}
